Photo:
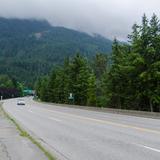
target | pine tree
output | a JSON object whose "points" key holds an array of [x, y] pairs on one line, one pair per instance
{"points": [[79, 74], [44, 89], [100, 65], [51, 86], [91, 91], [132, 81]]}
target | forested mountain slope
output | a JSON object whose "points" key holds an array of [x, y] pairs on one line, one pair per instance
{"points": [[30, 48]]}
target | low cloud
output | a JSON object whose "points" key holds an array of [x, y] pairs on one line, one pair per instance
{"points": [[110, 18]]}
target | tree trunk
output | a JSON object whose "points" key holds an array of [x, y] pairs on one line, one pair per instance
{"points": [[151, 105], [119, 103]]}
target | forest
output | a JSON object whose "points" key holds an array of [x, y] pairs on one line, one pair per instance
{"points": [[30, 48], [9, 87], [129, 79]]}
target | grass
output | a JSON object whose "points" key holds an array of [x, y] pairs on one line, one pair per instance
{"points": [[25, 134]]}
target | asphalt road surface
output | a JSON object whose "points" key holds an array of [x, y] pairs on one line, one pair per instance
{"points": [[13, 146], [76, 134]]}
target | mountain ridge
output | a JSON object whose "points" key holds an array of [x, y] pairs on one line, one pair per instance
{"points": [[33, 47]]}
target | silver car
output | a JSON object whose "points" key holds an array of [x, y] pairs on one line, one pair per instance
{"points": [[20, 102]]}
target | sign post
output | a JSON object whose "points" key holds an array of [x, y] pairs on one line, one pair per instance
{"points": [[71, 98]]}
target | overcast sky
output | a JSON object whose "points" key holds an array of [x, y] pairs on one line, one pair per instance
{"points": [[110, 18]]}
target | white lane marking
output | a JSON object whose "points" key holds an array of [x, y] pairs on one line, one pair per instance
{"points": [[150, 148], [55, 119], [51, 118]]}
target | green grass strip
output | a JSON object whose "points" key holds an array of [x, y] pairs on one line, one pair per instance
{"points": [[27, 135]]}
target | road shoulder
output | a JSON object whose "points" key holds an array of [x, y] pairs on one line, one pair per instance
{"points": [[144, 114], [15, 147]]}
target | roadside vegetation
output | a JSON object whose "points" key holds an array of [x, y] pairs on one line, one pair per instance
{"points": [[130, 79], [9, 87]]}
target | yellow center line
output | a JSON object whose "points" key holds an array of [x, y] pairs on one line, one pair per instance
{"points": [[107, 122]]}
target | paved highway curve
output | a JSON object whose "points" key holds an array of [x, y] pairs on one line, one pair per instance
{"points": [[77, 134]]}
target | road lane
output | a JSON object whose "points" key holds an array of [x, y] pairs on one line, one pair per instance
{"points": [[77, 134]]}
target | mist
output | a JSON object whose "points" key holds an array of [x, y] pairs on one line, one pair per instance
{"points": [[109, 18]]}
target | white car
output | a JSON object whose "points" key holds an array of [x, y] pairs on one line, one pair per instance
{"points": [[21, 102]]}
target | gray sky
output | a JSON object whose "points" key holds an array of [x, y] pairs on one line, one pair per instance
{"points": [[110, 18]]}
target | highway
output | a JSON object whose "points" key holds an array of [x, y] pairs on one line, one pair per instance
{"points": [[77, 134]]}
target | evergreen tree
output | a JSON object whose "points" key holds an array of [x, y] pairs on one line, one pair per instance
{"points": [[91, 92], [44, 90], [100, 65], [51, 86], [79, 74], [132, 81]]}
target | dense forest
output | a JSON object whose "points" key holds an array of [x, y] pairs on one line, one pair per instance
{"points": [[30, 48], [130, 81], [9, 87]]}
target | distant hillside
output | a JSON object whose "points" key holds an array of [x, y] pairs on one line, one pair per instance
{"points": [[30, 48]]}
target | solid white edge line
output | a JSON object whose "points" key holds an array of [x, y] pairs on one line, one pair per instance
{"points": [[150, 148], [153, 149]]}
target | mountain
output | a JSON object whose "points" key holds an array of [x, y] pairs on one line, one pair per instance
{"points": [[30, 48]]}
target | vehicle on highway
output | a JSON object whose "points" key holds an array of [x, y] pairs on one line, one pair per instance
{"points": [[20, 102]]}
